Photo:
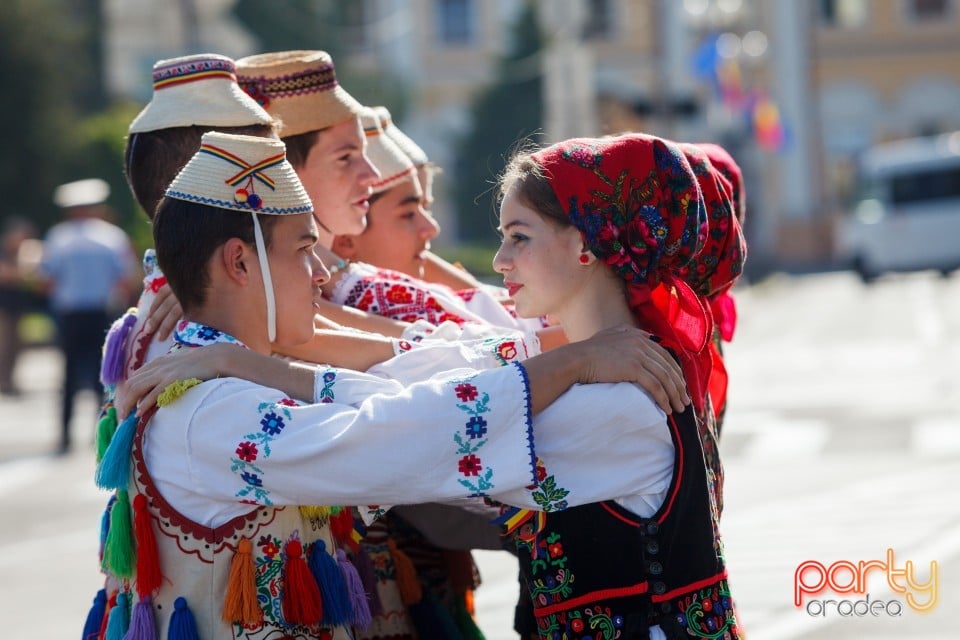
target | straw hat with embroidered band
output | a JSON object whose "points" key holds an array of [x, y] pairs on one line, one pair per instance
{"points": [[392, 163], [299, 88], [249, 175], [197, 90], [417, 155]]}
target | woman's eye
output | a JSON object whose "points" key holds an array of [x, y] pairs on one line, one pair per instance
{"points": [[518, 238]]}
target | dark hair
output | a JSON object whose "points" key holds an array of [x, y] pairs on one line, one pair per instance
{"points": [[186, 234], [298, 147], [152, 159], [532, 186]]}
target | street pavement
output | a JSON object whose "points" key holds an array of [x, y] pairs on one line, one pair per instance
{"points": [[841, 441]]}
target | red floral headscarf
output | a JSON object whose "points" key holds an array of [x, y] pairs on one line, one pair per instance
{"points": [[720, 262], [729, 169], [637, 204]]}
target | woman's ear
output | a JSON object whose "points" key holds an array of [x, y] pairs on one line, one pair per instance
{"points": [[586, 256], [344, 246]]}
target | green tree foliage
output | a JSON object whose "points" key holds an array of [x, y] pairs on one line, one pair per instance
{"points": [[35, 109], [505, 113]]}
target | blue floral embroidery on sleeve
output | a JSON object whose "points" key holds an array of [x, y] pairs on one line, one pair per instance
{"points": [[477, 478], [325, 395], [255, 446]]}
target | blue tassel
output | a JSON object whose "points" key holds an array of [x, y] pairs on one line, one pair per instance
{"points": [[183, 626], [119, 621], [91, 628], [333, 589], [105, 524], [113, 472], [111, 367], [142, 624], [359, 604]]}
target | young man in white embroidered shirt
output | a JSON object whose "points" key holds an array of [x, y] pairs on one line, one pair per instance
{"points": [[222, 461]]}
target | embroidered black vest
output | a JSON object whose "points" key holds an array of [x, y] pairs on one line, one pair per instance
{"points": [[600, 571]]}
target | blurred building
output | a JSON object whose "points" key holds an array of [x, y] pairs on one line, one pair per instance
{"points": [[795, 90]]}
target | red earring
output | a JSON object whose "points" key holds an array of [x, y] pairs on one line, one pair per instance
{"points": [[584, 258]]}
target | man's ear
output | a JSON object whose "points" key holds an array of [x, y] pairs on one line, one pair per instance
{"points": [[344, 246], [237, 260]]}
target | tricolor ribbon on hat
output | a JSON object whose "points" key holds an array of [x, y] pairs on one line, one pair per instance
{"points": [[193, 76]]}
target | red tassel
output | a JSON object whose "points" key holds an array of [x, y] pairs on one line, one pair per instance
{"points": [[148, 558], [302, 603], [341, 526]]}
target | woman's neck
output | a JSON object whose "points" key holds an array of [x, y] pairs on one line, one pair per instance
{"points": [[599, 306]]}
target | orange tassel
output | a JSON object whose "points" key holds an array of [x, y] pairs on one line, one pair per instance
{"points": [[406, 575], [240, 604], [469, 602], [302, 603], [148, 558]]}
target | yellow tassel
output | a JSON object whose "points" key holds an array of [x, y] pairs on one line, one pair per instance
{"points": [[406, 574], [316, 512], [176, 389], [240, 604]]}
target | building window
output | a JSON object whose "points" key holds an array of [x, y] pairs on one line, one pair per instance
{"points": [[455, 21], [598, 22], [843, 14], [928, 9]]}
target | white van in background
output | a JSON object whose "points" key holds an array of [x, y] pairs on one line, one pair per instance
{"points": [[908, 214]]}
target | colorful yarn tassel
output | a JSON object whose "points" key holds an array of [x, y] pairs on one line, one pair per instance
{"points": [[302, 603], [341, 525], [406, 575], [105, 525], [111, 603], [111, 367], [118, 553], [91, 628], [333, 589], [368, 576], [359, 605], [240, 605], [183, 626], [316, 512], [142, 624], [119, 621], [463, 617], [148, 558], [113, 472], [105, 430]]}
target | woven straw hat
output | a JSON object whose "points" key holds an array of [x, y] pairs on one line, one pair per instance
{"points": [[392, 163], [241, 173], [81, 193], [299, 88], [197, 90], [417, 155]]}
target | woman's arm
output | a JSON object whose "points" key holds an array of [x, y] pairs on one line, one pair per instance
{"points": [[349, 350], [356, 319], [621, 354]]}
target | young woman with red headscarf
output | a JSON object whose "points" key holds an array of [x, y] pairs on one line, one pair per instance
{"points": [[598, 232]]}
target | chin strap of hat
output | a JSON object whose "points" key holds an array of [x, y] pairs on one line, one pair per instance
{"points": [[267, 280]]}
